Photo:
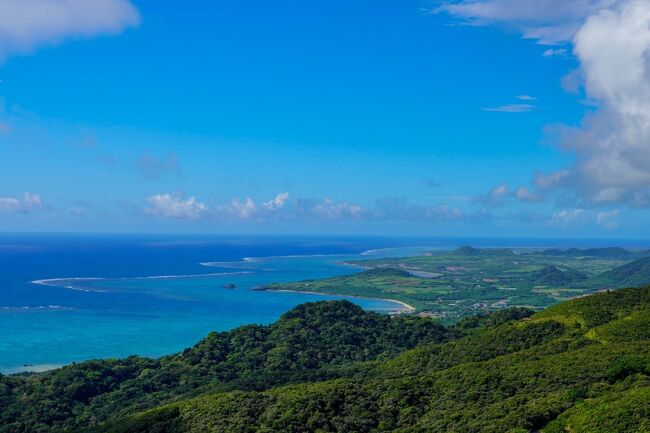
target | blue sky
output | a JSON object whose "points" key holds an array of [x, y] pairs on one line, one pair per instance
{"points": [[412, 117]]}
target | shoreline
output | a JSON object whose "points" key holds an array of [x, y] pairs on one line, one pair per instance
{"points": [[406, 308], [30, 368], [41, 368]]}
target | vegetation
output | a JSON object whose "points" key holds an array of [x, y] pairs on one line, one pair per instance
{"points": [[311, 342], [451, 285], [553, 276], [580, 366], [629, 275]]}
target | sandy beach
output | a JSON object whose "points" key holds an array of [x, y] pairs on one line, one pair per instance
{"points": [[406, 308]]}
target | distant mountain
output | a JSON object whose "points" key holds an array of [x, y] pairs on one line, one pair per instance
{"points": [[466, 251], [610, 252], [633, 274], [554, 276], [471, 251]]}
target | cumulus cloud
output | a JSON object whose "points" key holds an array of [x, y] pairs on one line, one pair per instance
{"points": [[568, 216], [175, 206], [611, 40], [328, 209], [501, 195], [278, 202], [607, 219], [28, 24], [496, 197], [498, 194], [555, 52], [524, 194], [27, 203], [239, 208], [284, 208], [612, 146]]}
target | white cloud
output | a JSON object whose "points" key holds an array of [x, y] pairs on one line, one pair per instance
{"points": [[511, 108], [28, 24], [526, 98], [526, 195], [332, 210], [175, 206], [548, 21], [278, 202], [243, 209], [611, 40], [281, 208], [567, 217], [501, 194], [612, 147], [28, 203], [607, 219], [551, 181], [498, 194], [496, 197], [555, 52]]}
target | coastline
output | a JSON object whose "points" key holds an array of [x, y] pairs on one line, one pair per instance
{"points": [[30, 368], [406, 308]]}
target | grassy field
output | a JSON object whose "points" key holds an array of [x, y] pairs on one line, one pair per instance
{"points": [[455, 284]]}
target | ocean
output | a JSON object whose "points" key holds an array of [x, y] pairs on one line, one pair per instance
{"points": [[69, 298]]}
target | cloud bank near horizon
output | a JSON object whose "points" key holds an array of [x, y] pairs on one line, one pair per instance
{"points": [[27, 203], [284, 207]]}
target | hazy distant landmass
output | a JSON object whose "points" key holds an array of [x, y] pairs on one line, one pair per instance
{"points": [[453, 284]]}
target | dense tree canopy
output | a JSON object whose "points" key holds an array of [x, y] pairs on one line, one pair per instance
{"points": [[581, 366]]}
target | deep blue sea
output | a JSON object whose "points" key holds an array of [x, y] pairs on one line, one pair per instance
{"points": [[66, 298]]}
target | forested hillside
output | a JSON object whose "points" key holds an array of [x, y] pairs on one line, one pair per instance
{"points": [[311, 342], [579, 366]]}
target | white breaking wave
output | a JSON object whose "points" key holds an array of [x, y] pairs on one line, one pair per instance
{"points": [[54, 281], [36, 307], [247, 260]]}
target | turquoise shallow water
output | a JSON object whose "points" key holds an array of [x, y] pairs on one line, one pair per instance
{"points": [[153, 296], [66, 318]]}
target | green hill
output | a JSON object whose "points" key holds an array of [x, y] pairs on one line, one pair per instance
{"points": [[553, 276], [636, 273], [468, 251], [580, 366], [311, 342], [611, 252]]}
